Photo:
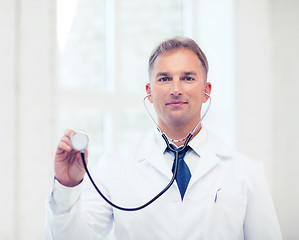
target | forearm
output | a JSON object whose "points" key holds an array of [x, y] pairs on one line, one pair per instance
{"points": [[72, 215]]}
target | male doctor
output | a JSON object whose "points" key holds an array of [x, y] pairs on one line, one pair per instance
{"points": [[224, 195]]}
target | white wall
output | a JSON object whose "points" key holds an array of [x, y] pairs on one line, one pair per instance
{"points": [[27, 46], [267, 81], [285, 68], [8, 118], [254, 79]]}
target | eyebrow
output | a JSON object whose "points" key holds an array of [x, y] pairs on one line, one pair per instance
{"points": [[166, 74], [162, 74], [190, 73]]}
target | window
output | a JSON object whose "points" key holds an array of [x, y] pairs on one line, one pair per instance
{"points": [[103, 51]]}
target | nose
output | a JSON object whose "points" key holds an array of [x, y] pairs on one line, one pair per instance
{"points": [[176, 88]]}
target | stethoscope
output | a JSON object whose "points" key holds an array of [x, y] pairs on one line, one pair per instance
{"points": [[79, 142]]}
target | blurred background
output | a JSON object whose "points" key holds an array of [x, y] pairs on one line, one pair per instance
{"points": [[82, 64]]}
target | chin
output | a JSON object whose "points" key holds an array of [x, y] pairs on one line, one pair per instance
{"points": [[178, 120]]}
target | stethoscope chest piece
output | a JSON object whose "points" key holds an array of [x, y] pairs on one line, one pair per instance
{"points": [[79, 141]]}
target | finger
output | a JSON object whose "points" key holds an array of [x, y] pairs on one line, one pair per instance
{"points": [[69, 133], [86, 152], [66, 140], [72, 158], [86, 155], [62, 146]]}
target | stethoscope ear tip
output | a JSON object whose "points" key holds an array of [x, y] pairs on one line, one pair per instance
{"points": [[208, 95]]}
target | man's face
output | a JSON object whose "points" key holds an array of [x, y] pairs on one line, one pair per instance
{"points": [[177, 86]]}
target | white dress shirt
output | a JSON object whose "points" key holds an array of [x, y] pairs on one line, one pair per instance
{"points": [[227, 197]]}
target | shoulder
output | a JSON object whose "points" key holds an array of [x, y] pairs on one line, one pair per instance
{"points": [[237, 165], [227, 153]]}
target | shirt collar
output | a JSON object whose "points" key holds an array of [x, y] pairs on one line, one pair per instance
{"points": [[160, 142], [198, 143]]}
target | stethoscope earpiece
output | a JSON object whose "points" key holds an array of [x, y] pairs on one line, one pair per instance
{"points": [[193, 131], [79, 142]]}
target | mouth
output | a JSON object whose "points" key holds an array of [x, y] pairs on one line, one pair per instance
{"points": [[176, 103]]}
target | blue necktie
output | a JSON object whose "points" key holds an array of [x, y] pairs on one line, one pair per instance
{"points": [[183, 174]]}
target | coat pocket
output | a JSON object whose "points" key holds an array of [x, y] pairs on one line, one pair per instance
{"points": [[225, 216]]}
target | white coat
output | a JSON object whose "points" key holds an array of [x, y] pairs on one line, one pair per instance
{"points": [[227, 198]]}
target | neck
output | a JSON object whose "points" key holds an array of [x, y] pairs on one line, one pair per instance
{"points": [[179, 132]]}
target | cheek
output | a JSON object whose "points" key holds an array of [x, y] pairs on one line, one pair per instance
{"points": [[197, 94], [156, 98], [158, 93]]}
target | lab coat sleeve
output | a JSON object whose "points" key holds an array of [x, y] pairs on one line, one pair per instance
{"points": [[260, 221], [76, 213]]}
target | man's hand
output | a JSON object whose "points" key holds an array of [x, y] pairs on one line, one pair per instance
{"points": [[68, 166]]}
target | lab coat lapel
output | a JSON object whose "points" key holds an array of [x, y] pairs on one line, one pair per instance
{"points": [[208, 160], [151, 152], [212, 152]]}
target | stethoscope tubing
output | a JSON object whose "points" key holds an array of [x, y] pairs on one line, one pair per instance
{"points": [[176, 151], [193, 131]]}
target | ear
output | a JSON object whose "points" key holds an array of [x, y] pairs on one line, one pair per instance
{"points": [[208, 88], [148, 91]]}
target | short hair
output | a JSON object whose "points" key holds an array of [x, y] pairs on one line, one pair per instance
{"points": [[177, 43]]}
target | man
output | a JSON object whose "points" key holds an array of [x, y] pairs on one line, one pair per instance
{"points": [[226, 197]]}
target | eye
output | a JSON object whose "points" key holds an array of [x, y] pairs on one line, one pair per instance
{"points": [[164, 79], [188, 79]]}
